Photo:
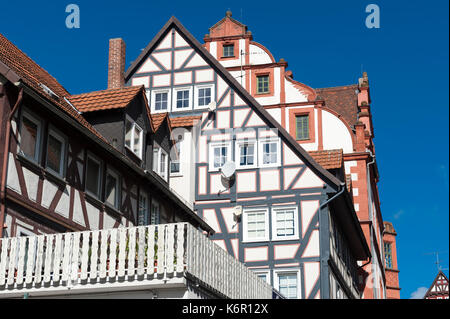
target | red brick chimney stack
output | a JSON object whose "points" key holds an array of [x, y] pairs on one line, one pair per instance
{"points": [[116, 63]]}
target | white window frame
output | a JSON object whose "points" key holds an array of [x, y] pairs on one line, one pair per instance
{"points": [[116, 175], [157, 168], [63, 139], [141, 137], [179, 161], [261, 142], [213, 145], [174, 103], [197, 89], [153, 100], [246, 211], [263, 272], [274, 223], [36, 120], [237, 153], [276, 279], [100, 163]]}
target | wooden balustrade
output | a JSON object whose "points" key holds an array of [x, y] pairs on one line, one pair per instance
{"points": [[133, 254]]}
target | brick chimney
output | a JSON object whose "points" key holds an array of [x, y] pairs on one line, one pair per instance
{"points": [[116, 63]]}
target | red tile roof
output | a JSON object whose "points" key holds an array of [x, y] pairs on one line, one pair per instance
{"points": [[35, 77], [105, 99], [328, 159], [157, 120], [343, 100], [184, 121]]}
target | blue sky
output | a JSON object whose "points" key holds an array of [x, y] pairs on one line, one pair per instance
{"points": [[325, 44]]}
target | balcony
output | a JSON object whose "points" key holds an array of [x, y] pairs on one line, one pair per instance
{"points": [[124, 259]]}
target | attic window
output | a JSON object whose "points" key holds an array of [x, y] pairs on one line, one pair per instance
{"points": [[133, 137], [228, 50]]}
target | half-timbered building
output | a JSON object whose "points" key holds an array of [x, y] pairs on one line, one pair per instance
{"points": [[271, 203], [86, 206], [439, 287]]}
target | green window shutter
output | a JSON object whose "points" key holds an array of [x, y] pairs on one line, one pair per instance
{"points": [[302, 127]]}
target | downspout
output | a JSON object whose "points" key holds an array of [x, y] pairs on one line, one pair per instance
{"points": [[334, 196], [5, 161]]}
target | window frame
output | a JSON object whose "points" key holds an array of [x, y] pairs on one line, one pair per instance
{"points": [[258, 76], [161, 151], [261, 142], [274, 211], [296, 127], [146, 214], [89, 155], [153, 100], [389, 244], [114, 173], [175, 93], [213, 145], [197, 94], [141, 137], [178, 160], [263, 272], [237, 153], [228, 45], [245, 212], [156, 204], [38, 144], [62, 161], [280, 271]]}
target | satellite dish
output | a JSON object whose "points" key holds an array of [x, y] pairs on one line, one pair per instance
{"points": [[212, 106], [228, 169]]}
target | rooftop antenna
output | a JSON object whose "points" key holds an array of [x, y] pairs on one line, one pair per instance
{"points": [[438, 262]]}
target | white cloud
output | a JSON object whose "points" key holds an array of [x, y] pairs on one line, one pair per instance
{"points": [[419, 293], [398, 214]]}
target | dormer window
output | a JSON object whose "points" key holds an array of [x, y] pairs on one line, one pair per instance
{"points": [[228, 50], [133, 137]]}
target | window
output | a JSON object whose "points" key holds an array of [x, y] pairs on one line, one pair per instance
{"points": [[204, 96], [245, 154], [262, 84], [160, 101], [93, 176], [219, 154], [56, 153], [182, 99], [133, 137], [388, 255], [302, 127], [175, 157], [287, 284], [30, 136], [112, 186], [228, 50], [156, 212], [270, 153], [160, 161], [143, 210], [285, 224], [263, 274], [255, 225]]}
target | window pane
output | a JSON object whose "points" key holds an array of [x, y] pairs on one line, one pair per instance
{"points": [[247, 154], [302, 127], [137, 141], [204, 96], [54, 154], [143, 210], [220, 156], [182, 99], [262, 84], [28, 139], [155, 159], [92, 177], [155, 214], [269, 153], [175, 162], [161, 101], [162, 166], [111, 190], [128, 133], [288, 285], [228, 50]]}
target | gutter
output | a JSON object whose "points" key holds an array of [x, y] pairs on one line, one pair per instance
{"points": [[5, 159]]}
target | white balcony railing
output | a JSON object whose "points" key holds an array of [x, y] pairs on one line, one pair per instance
{"points": [[136, 254]]}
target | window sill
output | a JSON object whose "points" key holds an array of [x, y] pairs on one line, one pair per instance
{"points": [[55, 178], [248, 241], [176, 175], [30, 164], [93, 200], [286, 238], [111, 209]]}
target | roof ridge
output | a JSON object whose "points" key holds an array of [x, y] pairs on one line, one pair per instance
{"points": [[134, 87], [339, 87]]}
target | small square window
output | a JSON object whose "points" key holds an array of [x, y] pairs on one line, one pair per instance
{"points": [[288, 285], [269, 152], [246, 154], [204, 96], [302, 127], [133, 137], [255, 225], [182, 99], [262, 84], [161, 101], [228, 50]]}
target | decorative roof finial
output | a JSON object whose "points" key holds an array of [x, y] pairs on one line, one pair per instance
{"points": [[228, 13]]}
